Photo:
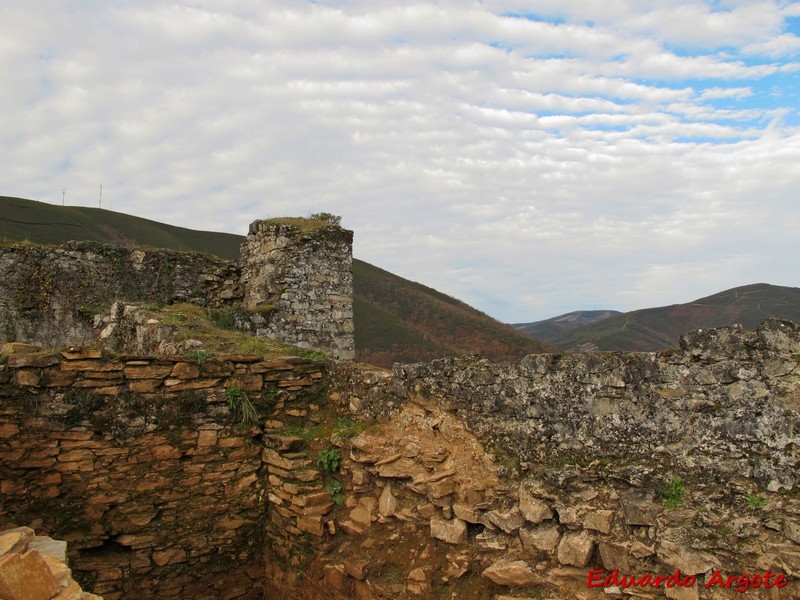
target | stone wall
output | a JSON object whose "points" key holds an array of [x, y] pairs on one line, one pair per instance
{"points": [[456, 478], [50, 296], [294, 280], [547, 472], [725, 403], [151, 467], [303, 281]]}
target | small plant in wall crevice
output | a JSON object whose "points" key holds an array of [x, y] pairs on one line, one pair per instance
{"points": [[329, 460], [241, 406]]}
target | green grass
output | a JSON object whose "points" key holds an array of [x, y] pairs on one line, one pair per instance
{"points": [[674, 493], [241, 406], [195, 322], [307, 225], [754, 501], [42, 223]]}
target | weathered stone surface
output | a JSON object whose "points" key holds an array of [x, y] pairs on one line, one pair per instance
{"points": [[148, 372], [638, 506], [336, 577], [575, 549], [15, 540], [387, 503], [533, 509], [599, 520], [441, 488], [614, 555], [452, 531], [540, 539], [8, 429], [358, 569], [170, 556], [512, 573], [509, 521], [312, 524], [26, 576], [687, 559], [466, 513], [792, 530], [27, 378], [15, 348], [402, 468], [16, 361], [683, 593], [363, 513], [418, 583]]}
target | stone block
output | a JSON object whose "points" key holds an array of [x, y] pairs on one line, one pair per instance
{"points": [[27, 378], [37, 360], [8, 429], [599, 520], [509, 521], [387, 503], [513, 573], [170, 556], [452, 531], [185, 370], [533, 509], [147, 372], [26, 577], [311, 524], [15, 540], [639, 506], [544, 538], [575, 549]]}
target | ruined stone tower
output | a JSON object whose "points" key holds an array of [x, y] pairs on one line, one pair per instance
{"points": [[297, 279]]}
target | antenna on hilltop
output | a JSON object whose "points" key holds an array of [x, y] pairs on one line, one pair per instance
{"points": [[63, 194], [101, 195]]}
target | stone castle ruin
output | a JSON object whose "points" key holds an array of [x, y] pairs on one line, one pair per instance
{"points": [[293, 282], [175, 476]]}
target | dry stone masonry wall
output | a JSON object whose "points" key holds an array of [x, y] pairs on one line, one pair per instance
{"points": [[579, 466], [295, 283], [50, 296], [148, 466]]}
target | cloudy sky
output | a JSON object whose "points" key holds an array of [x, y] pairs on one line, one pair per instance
{"points": [[530, 157]]}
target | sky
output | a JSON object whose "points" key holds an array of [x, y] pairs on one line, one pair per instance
{"points": [[530, 157]]}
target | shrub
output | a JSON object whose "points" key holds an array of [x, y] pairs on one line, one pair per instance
{"points": [[327, 217]]}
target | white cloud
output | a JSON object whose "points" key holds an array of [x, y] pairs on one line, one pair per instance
{"points": [[518, 164]]}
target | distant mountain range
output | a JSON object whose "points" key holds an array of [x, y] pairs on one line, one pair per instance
{"points": [[550, 328], [396, 320], [652, 329]]}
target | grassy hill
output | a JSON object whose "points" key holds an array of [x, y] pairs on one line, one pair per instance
{"points": [[42, 223], [396, 320], [653, 329]]}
